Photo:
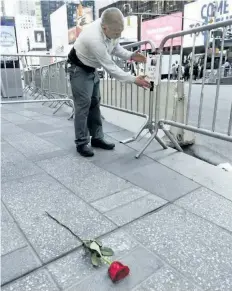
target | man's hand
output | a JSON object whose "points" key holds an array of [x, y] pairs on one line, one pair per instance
{"points": [[141, 82], [138, 57]]}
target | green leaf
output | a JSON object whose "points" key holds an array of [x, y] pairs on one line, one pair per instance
{"points": [[108, 252], [96, 261], [94, 246]]}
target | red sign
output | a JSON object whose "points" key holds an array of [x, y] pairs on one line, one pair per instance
{"points": [[156, 29]]}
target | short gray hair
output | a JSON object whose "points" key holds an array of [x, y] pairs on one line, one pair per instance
{"points": [[112, 17]]}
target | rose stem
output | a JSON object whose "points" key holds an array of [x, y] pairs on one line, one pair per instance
{"points": [[57, 221], [106, 260]]}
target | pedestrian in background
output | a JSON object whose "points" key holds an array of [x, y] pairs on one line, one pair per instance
{"points": [[195, 71], [186, 71], [174, 74], [93, 49], [226, 68]]}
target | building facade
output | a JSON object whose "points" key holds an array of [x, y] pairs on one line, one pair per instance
{"points": [[25, 7]]}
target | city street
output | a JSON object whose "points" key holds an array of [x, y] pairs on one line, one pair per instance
{"points": [[210, 149]]}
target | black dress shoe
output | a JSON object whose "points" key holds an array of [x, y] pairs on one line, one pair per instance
{"points": [[85, 151], [102, 144]]}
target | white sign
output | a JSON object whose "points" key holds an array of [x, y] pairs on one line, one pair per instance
{"points": [[37, 38], [8, 40], [152, 68], [130, 28], [199, 13], [59, 28]]}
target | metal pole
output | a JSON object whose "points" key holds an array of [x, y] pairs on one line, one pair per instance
{"points": [[139, 27], [218, 83]]}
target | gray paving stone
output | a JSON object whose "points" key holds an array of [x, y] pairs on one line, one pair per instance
{"points": [[36, 281], [10, 129], [5, 110], [30, 145], [11, 237], [83, 178], [53, 154], [104, 157], [49, 133], [196, 248], [30, 114], [15, 118], [28, 200], [17, 263], [109, 127], [166, 279], [161, 181], [120, 242], [161, 153], [76, 266], [58, 122], [5, 122], [35, 127], [203, 173], [209, 205], [125, 164], [119, 199], [63, 138], [142, 264], [10, 154], [24, 168], [135, 209]]}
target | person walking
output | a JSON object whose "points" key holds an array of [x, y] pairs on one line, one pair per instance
{"points": [[93, 49]]}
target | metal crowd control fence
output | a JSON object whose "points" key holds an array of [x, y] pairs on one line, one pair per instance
{"points": [[35, 76], [129, 98], [193, 117]]}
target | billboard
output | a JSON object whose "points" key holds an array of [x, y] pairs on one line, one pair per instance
{"points": [[8, 41], [84, 17], [201, 13], [157, 29]]}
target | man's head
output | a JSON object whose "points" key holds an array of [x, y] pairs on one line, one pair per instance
{"points": [[112, 22]]}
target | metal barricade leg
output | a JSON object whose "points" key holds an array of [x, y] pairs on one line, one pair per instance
{"points": [[170, 136], [146, 125], [57, 109], [153, 136]]}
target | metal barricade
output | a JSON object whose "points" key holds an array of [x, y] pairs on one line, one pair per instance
{"points": [[193, 111], [129, 98], [34, 76]]}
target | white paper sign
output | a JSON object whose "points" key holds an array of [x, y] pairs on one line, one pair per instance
{"points": [[152, 68]]}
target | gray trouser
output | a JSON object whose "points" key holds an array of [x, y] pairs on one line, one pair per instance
{"points": [[86, 97]]}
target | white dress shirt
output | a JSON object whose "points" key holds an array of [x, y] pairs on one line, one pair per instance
{"points": [[94, 49]]}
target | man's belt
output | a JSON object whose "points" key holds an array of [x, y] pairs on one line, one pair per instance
{"points": [[73, 59]]}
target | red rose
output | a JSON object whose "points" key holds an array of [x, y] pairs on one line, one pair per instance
{"points": [[117, 271]]}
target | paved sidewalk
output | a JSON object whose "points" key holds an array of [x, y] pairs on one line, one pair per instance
{"points": [[167, 215]]}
